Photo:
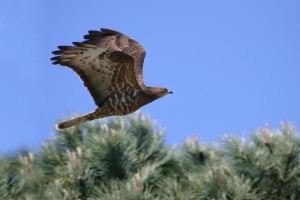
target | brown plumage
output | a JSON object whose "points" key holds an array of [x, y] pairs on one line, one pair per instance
{"points": [[110, 65]]}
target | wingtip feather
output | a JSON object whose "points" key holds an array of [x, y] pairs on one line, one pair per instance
{"points": [[57, 52], [109, 31], [55, 58], [56, 63]]}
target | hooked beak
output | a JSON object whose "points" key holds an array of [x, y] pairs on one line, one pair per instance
{"points": [[170, 92]]}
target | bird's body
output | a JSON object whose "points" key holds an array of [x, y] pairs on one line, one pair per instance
{"points": [[110, 65]]}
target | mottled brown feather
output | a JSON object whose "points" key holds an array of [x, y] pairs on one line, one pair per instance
{"points": [[118, 41], [97, 67], [110, 65]]}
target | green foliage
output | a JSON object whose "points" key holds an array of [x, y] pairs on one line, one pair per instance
{"points": [[126, 158]]}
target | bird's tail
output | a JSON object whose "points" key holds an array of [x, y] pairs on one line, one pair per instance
{"points": [[77, 120]]}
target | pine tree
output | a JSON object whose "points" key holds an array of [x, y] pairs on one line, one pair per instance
{"points": [[127, 158]]}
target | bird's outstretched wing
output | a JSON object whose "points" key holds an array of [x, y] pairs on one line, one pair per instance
{"points": [[118, 41], [103, 70]]}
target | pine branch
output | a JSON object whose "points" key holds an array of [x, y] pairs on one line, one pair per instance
{"points": [[126, 158]]}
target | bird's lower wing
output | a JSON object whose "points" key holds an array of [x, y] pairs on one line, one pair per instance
{"points": [[100, 69]]}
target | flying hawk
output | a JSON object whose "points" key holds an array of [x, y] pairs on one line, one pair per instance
{"points": [[110, 65]]}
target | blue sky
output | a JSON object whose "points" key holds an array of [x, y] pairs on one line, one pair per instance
{"points": [[232, 65]]}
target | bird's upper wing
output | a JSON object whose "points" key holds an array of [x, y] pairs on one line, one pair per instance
{"points": [[103, 70], [118, 41]]}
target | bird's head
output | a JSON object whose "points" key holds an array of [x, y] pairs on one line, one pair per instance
{"points": [[160, 91]]}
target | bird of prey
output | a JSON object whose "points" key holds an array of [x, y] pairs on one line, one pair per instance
{"points": [[110, 65]]}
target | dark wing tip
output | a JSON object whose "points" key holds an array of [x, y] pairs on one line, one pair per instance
{"points": [[63, 47], [94, 32], [78, 44], [113, 32], [88, 36], [56, 58], [57, 52], [56, 62]]}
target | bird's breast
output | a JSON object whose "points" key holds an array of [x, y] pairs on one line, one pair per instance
{"points": [[122, 103]]}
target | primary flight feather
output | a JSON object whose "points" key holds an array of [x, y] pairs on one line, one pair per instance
{"points": [[110, 65]]}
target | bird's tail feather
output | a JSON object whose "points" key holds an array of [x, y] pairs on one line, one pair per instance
{"points": [[76, 121]]}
